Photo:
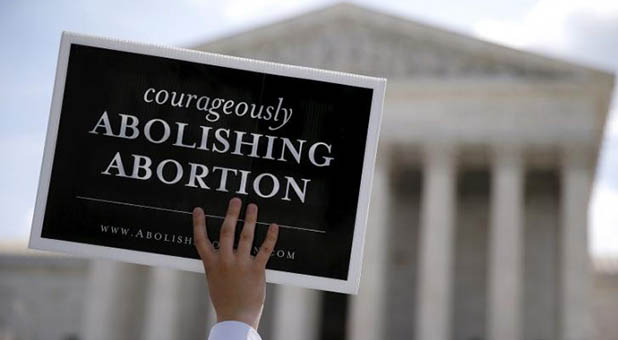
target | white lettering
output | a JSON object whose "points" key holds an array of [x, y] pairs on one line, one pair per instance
{"points": [[116, 163], [161, 167], [166, 131], [291, 182], [257, 185]]}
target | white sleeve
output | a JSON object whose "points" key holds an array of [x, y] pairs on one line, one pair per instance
{"points": [[233, 330]]}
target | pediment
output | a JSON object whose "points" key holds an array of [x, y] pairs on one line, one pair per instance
{"points": [[350, 38]]}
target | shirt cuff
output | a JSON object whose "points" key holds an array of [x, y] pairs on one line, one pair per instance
{"points": [[233, 330]]}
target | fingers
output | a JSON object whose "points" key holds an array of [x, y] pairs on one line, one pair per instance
{"points": [[202, 243], [267, 247], [226, 235], [246, 236]]}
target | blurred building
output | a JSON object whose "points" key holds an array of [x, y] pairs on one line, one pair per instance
{"points": [[41, 295], [478, 222]]}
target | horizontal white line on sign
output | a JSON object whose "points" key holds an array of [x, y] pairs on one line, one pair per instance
{"points": [[190, 213]]}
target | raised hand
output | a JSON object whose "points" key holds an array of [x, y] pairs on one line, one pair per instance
{"points": [[236, 279]]}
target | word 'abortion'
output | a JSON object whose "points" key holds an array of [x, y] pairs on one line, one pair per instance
{"points": [[207, 139]]}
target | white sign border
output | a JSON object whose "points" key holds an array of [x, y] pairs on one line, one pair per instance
{"points": [[378, 85]]}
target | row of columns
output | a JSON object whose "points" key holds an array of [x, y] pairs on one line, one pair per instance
{"points": [[138, 302], [438, 222], [505, 267]]}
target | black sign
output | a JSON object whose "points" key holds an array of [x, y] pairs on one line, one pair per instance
{"points": [[140, 135]]}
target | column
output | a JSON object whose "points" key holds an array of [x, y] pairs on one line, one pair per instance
{"points": [[366, 316], [162, 304], [297, 313], [505, 269], [433, 317], [575, 321], [114, 302]]}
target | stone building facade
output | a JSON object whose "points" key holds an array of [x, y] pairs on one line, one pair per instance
{"points": [[478, 220]]}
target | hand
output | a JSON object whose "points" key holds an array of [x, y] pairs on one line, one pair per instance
{"points": [[236, 279]]}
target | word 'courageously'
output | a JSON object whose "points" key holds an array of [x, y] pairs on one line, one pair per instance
{"points": [[214, 107]]}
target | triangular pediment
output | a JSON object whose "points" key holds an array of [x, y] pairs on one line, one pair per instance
{"points": [[350, 38]]}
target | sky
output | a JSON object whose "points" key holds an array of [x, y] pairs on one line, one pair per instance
{"points": [[582, 31]]}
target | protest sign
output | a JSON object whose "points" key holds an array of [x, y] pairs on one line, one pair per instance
{"points": [[139, 135]]}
